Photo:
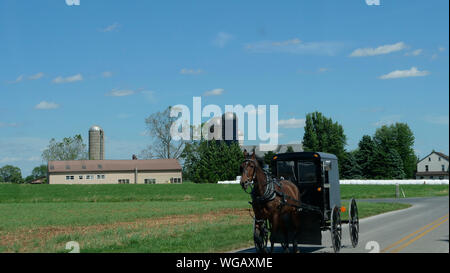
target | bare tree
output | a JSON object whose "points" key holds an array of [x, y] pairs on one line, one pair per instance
{"points": [[70, 148], [163, 146]]}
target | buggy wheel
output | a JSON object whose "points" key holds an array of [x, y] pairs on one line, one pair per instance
{"points": [[353, 222], [260, 236], [336, 229]]}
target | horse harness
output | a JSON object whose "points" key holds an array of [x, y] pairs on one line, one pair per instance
{"points": [[270, 193]]}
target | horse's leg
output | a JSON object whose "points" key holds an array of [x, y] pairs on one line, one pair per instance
{"points": [[296, 225], [273, 230], [286, 237]]}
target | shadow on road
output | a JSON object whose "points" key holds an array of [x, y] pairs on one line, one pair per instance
{"points": [[279, 249]]}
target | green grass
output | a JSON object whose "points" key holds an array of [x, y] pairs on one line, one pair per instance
{"points": [[388, 191], [147, 218], [13, 193], [32, 215]]}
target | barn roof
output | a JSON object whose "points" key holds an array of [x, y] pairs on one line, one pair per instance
{"points": [[113, 165]]}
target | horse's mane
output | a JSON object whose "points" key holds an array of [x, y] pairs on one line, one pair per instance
{"points": [[260, 161]]}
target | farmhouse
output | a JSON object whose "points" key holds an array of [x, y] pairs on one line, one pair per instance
{"points": [[433, 166], [153, 171]]}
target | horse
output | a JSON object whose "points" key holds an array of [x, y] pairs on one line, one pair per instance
{"points": [[275, 201]]}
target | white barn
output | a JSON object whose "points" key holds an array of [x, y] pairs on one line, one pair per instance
{"points": [[433, 166]]}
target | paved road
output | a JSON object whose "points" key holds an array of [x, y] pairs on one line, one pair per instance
{"points": [[423, 228]]}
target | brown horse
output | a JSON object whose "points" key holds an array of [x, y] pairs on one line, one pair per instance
{"points": [[275, 202]]}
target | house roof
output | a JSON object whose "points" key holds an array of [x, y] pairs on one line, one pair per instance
{"points": [[113, 165], [442, 155], [438, 153], [431, 173]]}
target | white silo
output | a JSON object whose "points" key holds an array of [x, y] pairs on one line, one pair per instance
{"points": [[96, 143]]}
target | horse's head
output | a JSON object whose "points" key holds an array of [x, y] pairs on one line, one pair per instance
{"points": [[248, 170]]}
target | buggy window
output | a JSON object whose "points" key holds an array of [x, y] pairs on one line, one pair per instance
{"points": [[286, 169], [307, 172]]}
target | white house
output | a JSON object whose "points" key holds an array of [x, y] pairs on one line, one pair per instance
{"points": [[433, 166]]}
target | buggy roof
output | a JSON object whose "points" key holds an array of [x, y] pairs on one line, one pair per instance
{"points": [[304, 156]]}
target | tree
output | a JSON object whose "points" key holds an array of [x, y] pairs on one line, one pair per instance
{"points": [[400, 138], [9, 173], [289, 149], [322, 135], [71, 148], [209, 161], [350, 167], [39, 171], [364, 156], [268, 159], [387, 164], [163, 146]]}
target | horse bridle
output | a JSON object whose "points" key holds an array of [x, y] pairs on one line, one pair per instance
{"points": [[252, 181]]}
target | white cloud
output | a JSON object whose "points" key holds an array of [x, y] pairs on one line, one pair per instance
{"points": [[9, 159], [34, 158], [18, 79], [388, 120], [110, 28], [36, 76], [107, 74], [74, 78], [294, 41], [294, 46], [441, 49], [149, 95], [413, 72], [442, 120], [416, 52], [44, 105], [222, 39], [214, 92], [291, 123], [385, 49], [120, 93], [4, 125], [187, 71]]}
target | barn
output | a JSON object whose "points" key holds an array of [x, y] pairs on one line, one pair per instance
{"points": [[152, 171]]}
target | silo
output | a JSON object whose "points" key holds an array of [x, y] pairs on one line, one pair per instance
{"points": [[96, 143], [229, 127], [214, 127]]}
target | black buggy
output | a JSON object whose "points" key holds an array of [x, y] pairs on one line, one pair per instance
{"points": [[317, 177]]}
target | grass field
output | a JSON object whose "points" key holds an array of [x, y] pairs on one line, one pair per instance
{"points": [[146, 218]]}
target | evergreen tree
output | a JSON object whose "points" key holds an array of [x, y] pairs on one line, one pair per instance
{"points": [[400, 138], [211, 161], [350, 167], [387, 164], [364, 156], [324, 135]]}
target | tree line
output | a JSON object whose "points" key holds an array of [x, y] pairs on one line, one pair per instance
{"points": [[388, 154]]}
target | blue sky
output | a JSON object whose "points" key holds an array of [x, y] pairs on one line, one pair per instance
{"points": [[113, 63]]}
